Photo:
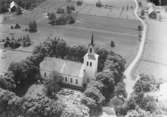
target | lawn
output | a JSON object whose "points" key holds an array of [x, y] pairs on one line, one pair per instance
{"points": [[154, 59]]}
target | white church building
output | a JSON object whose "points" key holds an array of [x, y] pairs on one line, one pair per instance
{"points": [[74, 73]]}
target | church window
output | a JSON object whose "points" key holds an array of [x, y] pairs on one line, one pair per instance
{"points": [[76, 81], [90, 50], [71, 80], [45, 74], [66, 79], [87, 63], [91, 64]]}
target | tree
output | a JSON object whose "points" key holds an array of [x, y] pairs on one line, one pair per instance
{"points": [[95, 109], [26, 41], [25, 74], [9, 103], [116, 65], [60, 11], [79, 3], [7, 82], [54, 84], [116, 102], [140, 28], [52, 18], [121, 110], [62, 20], [61, 48], [99, 4], [153, 15], [145, 84], [40, 106], [112, 44], [70, 19], [103, 53], [148, 103], [17, 26], [94, 91], [108, 81], [33, 27], [70, 9], [133, 113], [120, 90]]}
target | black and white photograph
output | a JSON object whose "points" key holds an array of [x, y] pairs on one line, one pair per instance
{"points": [[83, 58]]}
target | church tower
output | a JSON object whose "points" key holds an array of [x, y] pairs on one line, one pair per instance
{"points": [[91, 61]]}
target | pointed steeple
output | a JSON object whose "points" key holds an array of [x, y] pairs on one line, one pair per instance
{"points": [[92, 39]]}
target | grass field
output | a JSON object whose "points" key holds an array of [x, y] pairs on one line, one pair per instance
{"points": [[154, 59], [122, 31]]}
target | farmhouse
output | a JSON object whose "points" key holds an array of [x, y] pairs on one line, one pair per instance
{"points": [[13, 6], [74, 73]]}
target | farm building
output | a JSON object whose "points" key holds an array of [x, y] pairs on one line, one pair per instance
{"points": [[13, 6]]}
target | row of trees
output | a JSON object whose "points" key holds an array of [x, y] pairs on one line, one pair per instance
{"points": [[63, 16], [62, 20], [32, 27], [14, 43]]}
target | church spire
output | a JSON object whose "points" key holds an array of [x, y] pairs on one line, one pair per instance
{"points": [[92, 39]]}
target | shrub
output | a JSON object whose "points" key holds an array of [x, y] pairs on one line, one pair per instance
{"points": [[153, 15], [140, 28], [11, 27]]}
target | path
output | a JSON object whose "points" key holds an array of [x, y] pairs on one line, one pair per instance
{"points": [[129, 72], [130, 79]]}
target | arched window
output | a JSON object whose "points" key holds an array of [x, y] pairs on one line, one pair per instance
{"points": [[76, 81], [87, 63], [66, 79], [91, 64], [71, 80], [45, 74], [90, 50]]}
